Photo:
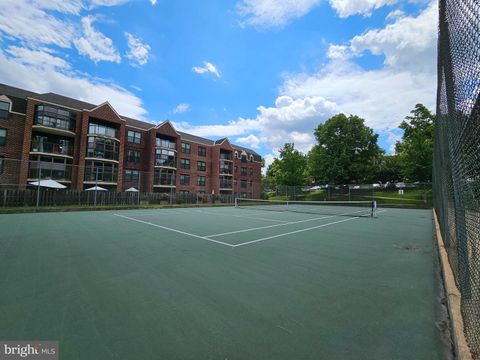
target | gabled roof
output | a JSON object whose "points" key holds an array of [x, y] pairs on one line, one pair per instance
{"points": [[241, 148], [194, 138], [138, 123], [65, 101]]}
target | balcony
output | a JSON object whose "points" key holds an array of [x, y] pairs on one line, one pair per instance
{"points": [[226, 156], [164, 178], [54, 171], [226, 167], [226, 184], [52, 148], [165, 144]]}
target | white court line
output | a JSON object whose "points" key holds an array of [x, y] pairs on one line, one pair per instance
{"points": [[297, 231], [174, 230], [242, 216], [287, 223]]}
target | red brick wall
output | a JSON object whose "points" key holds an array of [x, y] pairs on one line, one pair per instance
{"points": [[106, 114], [19, 133], [13, 149]]}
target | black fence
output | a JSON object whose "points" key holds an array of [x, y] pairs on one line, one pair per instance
{"points": [[50, 197], [457, 153]]}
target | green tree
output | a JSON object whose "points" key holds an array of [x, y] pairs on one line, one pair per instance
{"points": [[288, 169], [415, 149], [346, 151], [389, 169]]}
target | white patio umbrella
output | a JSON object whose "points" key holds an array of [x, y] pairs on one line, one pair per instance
{"points": [[52, 184], [96, 188], [132, 189]]}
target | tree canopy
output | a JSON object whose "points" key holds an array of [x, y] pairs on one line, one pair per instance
{"points": [[288, 169], [415, 149], [346, 151]]}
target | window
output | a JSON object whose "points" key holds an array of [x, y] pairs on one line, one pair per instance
{"points": [[164, 157], [133, 156], [164, 177], [201, 180], [185, 148], [226, 167], [103, 130], [107, 172], [243, 184], [202, 151], [3, 136], [165, 143], [185, 163], [183, 192], [2, 160], [131, 175], [53, 117], [134, 137], [4, 108], [251, 171], [50, 168], [104, 148], [184, 179], [243, 171], [201, 166]]}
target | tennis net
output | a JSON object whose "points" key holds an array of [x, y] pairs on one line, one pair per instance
{"points": [[339, 208]]}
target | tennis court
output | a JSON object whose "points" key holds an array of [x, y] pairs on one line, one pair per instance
{"points": [[223, 283]]}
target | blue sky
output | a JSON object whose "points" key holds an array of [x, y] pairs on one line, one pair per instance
{"points": [[262, 72]]}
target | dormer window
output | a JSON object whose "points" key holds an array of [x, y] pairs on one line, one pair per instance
{"points": [[4, 109]]}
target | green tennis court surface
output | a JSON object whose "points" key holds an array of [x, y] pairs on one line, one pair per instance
{"points": [[221, 283]]}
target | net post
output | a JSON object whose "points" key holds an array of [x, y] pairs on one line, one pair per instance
{"points": [[236, 202], [374, 208]]}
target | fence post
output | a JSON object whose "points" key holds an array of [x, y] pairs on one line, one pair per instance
{"points": [[38, 184]]}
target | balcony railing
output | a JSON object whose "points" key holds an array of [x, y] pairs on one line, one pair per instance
{"points": [[49, 173], [52, 122], [226, 184], [109, 177], [165, 144], [52, 148], [225, 156]]}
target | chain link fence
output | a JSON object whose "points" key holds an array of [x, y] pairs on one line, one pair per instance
{"points": [[19, 185], [457, 153], [418, 195]]}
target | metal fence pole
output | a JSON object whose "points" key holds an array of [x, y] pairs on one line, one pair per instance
{"points": [[38, 183]]}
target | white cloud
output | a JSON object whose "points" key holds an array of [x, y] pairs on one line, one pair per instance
{"points": [[251, 140], [138, 52], [383, 96], [45, 73], [40, 59], [346, 8], [21, 20], [395, 14], [272, 13], [338, 52], [408, 43], [154, 2], [181, 108], [207, 67], [290, 120], [94, 44]]}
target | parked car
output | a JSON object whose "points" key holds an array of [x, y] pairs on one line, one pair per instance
{"points": [[400, 185]]}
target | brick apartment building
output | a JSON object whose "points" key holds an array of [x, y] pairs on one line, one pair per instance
{"points": [[79, 144]]}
